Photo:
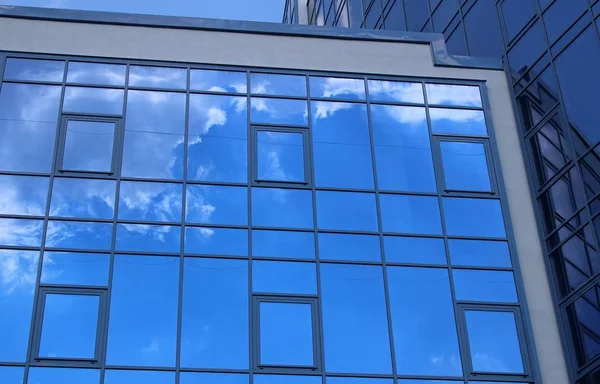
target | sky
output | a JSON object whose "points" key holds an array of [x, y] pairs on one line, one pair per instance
{"points": [[255, 10]]}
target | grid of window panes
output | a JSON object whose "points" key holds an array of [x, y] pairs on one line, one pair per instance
{"points": [[180, 224]]}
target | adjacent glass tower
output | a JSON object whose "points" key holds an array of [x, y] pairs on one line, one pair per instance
{"points": [[551, 51]]}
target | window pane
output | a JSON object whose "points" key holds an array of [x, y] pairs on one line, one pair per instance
{"points": [[213, 378], [418, 250], [479, 253], [75, 268], [154, 135], [272, 84], [96, 73], [278, 111], [516, 14], [282, 208], [84, 198], [283, 244], [143, 311], [494, 286], [335, 87], [157, 77], [561, 15], [494, 341], [69, 326], [465, 166], [334, 246], [483, 30], [355, 327], [17, 286], [402, 149], [217, 148], [149, 238], [23, 195], [341, 144], [380, 90], [63, 376], [216, 241], [359, 380], [150, 201], [410, 214], [280, 156], [457, 121], [284, 277], [12, 375], [34, 70], [484, 219], [81, 235], [346, 210], [21, 232], [218, 81], [286, 334], [93, 100], [447, 94], [280, 379], [18, 103], [146, 377], [217, 205], [214, 331], [89, 146]]}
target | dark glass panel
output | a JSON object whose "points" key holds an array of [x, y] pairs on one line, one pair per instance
{"points": [[584, 321], [39, 375], [486, 286], [78, 235], [347, 211], [122, 376], [560, 15], [410, 214], [93, 100], [96, 73], [561, 200], [70, 268], [34, 70], [417, 13], [355, 13], [21, 232], [216, 241], [484, 219], [83, 198], [539, 98], [274, 84], [549, 150], [150, 201], [516, 14], [592, 377], [284, 277], [278, 111], [23, 195], [457, 121], [590, 169], [211, 204], [337, 88], [417, 250], [443, 14], [456, 43], [89, 146], [337, 246], [479, 253], [217, 81], [282, 208], [573, 31], [396, 91], [483, 30], [465, 166], [148, 238], [528, 48], [394, 20], [157, 77], [373, 15], [280, 156], [283, 244]]}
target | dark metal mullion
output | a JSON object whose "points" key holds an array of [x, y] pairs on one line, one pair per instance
{"points": [[249, 181]]}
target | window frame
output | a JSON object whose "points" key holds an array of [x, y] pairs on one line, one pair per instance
{"points": [[313, 301]]}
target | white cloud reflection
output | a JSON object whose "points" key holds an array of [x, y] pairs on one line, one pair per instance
{"points": [[18, 271]]}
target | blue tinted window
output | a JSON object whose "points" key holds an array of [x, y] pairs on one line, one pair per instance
{"points": [[417, 13], [444, 13], [280, 379], [278, 111], [63, 376], [380, 90], [147, 377], [34, 70], [143, 311], [25, 195], [91, 199], [530, 47], [78, 235], [150, 201], [357, 380], [273, 84], [283, 244], [346, 210], [355, 326], [93, 100], [456, 42], [465, 166], [214, 330], [516, 14], [457, 121], [12, 374], [96, 73], [210, 204], [560, 16], [421, 250], [72, 268], [336, 246], [214, 378], [280, 156], [479, 253], [284, 277], [282, 207], [21, 232], [157, 77], [484, 219], [89, 146], [216, 241], [483, 30], [149, 238], [218, 81], [410, 214], [423, 322], [335, 87], [448, 94], [474, 285], [395, 20]]}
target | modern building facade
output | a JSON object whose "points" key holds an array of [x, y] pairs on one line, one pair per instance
{"points": [[551, 51], [206, 201]]}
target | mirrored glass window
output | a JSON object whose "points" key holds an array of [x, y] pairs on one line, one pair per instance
{"points": [[284, 277], [281, 379], [474, 285], [337, 87], [216, 241], [143, 311], [83, 198], [357, 380], [283, 244], [337, 246], [70, 268], [465, 166], [93, 100], [217, 81], [215, 378], [341, 145], [96, 73], [275, 207], [122, 376], [410, 214], [217, 142], [280, 156], [78, 235], [157, 77], [479, 253], [23, 195], [484, 219], [396, 91], [150, 201], [34, 70], [214, 331], [12, 374], [457, 121], [278, 111], [273, 84], [148, 238], [39, 375], [449, 94], [89, 145], [208, 204], [418, 250], [346, 210], [21, 232]]}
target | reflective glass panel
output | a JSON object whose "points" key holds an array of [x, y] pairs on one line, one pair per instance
{"points": [[418, 250], [283, 244], [284, 277], [336, 87], [380, 90], [154, 135], [143, 311], [214, 378], [286, 334], [280, 379], [355, 327], [214, 331], [93, 100], [96, 73], [157, 77], [483, 30], [282, 208], [410, 214], [216, 241], [17, 286], [210, 204], [217, 145], [560, 16], [357, 380], [494, 341], [12, 375], [280, 156], [150, 201], [402, 148], [448, 94], [28, 114], [346, 210], [34, 70], [23, 195], [84, 198], [474, 285], [89, 146], [457, 121], [71, 268], [465, 166], [341, 145], [81, 235], [425, 336], [484, 218], [149, 238], [69, 326], [278, 111], [337, 246], [516, 14], [63, 376], [479, 253], [129, 377], [21, 232], [273, 84], [217, 81]]}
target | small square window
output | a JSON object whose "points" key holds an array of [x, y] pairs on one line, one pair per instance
{"points": [[466, 166]]}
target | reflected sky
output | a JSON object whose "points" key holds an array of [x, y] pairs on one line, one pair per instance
{"points": [[486, 286], [23, 195], [96, 73], [479, 253], [284, 244], [419, 250], [450, 94], [278, 111], [217, 81], [335, 246], [396, 91], [63, 376], [215, 378], [93, 100], [209, 204], [157, 77], [457, 121], [485, 217], [280, 156], [148, 238], [89, 146], [146, 377], [12, 374], [346, 210], [282, 85], [69, 268], [34, 70], [150, 201], [410, 214], [282, 207], [284, 277], [21, 232], [216, 241], [337, 87], [465, 166], [83, 198]]}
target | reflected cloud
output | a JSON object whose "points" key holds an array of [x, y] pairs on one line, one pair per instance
{"points": [[337, 87], [18, 271], [21, 232], [324, 109], [396, 91], [23, 195], [283, 111], [150, 201], [448, 94], [157, 231], [96, 73], [157, 77], [151, 348], [83, 198]]}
